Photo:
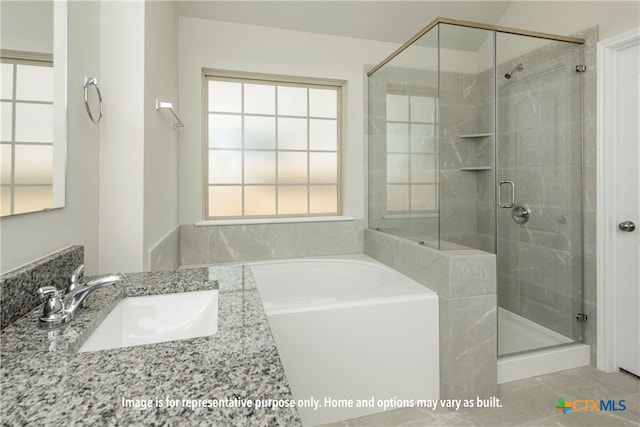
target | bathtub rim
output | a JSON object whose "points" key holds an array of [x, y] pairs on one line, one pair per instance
{"points": [[421, 292]]}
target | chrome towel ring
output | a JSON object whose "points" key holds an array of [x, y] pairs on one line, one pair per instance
{"points": [[86, 82]]}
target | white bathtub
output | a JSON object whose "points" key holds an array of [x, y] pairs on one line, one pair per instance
{"points": [[351, 330]]}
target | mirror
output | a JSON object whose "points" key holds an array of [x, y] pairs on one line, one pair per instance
{"points": [[33, 56]]}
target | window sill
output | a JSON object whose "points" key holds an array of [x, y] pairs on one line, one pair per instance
{"points": [[410, 215], [247, 221]]}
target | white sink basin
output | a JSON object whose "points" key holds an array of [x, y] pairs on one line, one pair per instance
{"points": [[156, 318]]}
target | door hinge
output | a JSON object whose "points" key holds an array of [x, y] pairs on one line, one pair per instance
{"points": [[581, 68], [581, 317]]}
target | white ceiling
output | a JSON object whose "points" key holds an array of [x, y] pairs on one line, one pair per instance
{"points": [[390, 21]]}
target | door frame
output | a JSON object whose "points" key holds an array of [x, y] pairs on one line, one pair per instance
{"points": [[607, 237]]}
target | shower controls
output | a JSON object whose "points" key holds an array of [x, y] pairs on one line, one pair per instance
{"points": [[521, 213], [628, 226], [512, 195]]}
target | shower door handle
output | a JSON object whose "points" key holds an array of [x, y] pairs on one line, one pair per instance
{"points": [[512, 195]]}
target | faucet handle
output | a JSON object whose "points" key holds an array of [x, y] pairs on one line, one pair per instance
{"points": [[47, 291], [53, 305], [73, 282]]}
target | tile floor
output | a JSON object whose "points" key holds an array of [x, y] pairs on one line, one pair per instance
{"points": [[530, 402]]}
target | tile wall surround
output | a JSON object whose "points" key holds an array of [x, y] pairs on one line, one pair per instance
{"points": [[213, 244], [465, 281], [18, 287], [165, 255]]}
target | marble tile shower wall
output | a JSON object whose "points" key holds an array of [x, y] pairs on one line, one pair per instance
{"points": [[231, 243], [465, 281], [18, 287], [465, 161]]}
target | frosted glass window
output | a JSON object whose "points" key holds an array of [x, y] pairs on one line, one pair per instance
{"points": [[6, 82], [323, 199], [292, 101], [423, 198], [323, 103], [323, 168], [34, 122], [5, 164], [33, 164], [259, 99], [259, 167], [397, 108], [259, 132], [423, 109], [225, 200], [397, 198], [34, 83], [292, 134], [29, 199], [26, 130], [292, 167], [259, 200], [225, 167], [397, 137], [225, 97], [397, 168], [323, 135], [292, 200], [225, 131], [423, 139], [423, 168], [411, 152], [272, 148], [6, 115]]}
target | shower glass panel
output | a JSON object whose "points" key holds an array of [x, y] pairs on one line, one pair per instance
{"points": [[539, 158], [403, 147], [475, 142]]}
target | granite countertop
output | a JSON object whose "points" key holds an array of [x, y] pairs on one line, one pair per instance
{"points": [[44, 381]]}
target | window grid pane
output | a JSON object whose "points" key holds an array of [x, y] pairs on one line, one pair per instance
{"points": [[26, 157], [411, 156], [273, 148]]}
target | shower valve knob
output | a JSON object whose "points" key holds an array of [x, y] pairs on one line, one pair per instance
{"points": [[627, 226]]}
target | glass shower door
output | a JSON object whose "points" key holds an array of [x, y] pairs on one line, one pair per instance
{"points": [[539, 193]]}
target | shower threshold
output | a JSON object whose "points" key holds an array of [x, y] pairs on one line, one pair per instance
{"points": [[518, 358]]}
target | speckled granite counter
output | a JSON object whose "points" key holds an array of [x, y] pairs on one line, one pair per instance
{"points": [[46, 382]]}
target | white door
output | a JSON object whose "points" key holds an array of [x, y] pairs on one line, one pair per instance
{"points": [[618, 212], [628, 200]]}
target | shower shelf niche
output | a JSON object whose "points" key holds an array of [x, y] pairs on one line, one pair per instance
{"points": [[475, 168], [475, 135], [474, 158]]}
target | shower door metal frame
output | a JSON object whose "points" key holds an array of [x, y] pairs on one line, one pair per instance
{"points": [[478, 25]]}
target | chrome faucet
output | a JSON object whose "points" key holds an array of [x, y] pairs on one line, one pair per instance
{"points": [[61, 307]]}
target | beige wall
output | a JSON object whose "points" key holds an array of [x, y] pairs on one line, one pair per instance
{"points": [[238, 47], [571, 17]]}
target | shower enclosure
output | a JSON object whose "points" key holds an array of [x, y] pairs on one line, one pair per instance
{"points": [[475, 141]]}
